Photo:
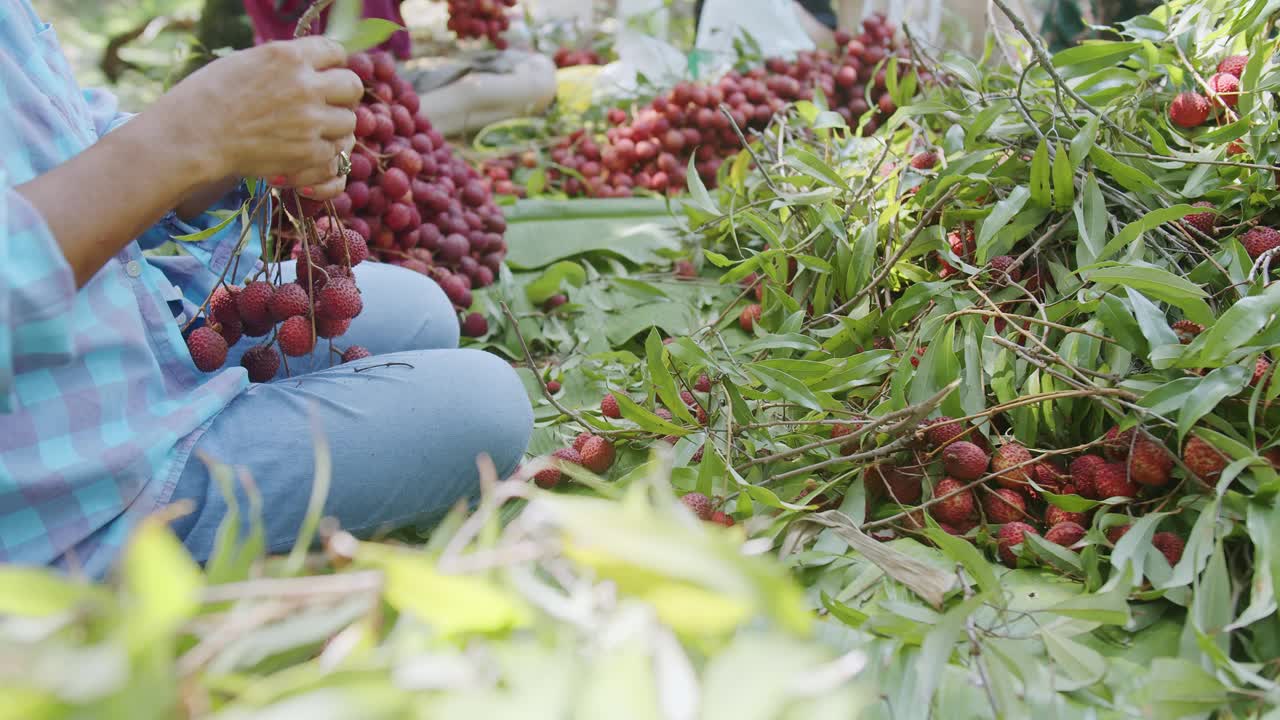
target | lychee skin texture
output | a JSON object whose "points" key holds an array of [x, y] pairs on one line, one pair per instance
{"points": [[1111, 480], [581, 440], [262, 362], [355, 352], [1115, 533], [840, 430], [965, 461], [1170, 545], [898, 485], [1259, 240], [474, 325], [703, 384], [223, 304], [1083, 469], [1227, 86], [720, 518], [289, 300], [339, 300], [254, 303], [1010, 535], [1049, 477], [1065, 534], [609, 407], [925, 160], [295, 336], [1234, 65], [550, 477], [1004, 465], [1117, 444], [747, 320], [957, 508], [208, 348], [1004, 506], [553, 386], [349, 244], [1054, 515], [1187, 331], [1150, 463], [941, 431], [1205, 222], [700, 504], [1203, 460], [1189, 110], [1003, 269], [1260, 368], [330, 328], [597, 455]]}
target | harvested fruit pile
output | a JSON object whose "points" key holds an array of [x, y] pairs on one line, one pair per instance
{"points": [[570, 57], [650, 149], [480, 19], [417, 203]]}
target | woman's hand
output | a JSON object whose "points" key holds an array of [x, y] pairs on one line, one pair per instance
{"points": [[283, 111]]}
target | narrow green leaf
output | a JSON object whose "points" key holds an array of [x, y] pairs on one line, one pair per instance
{"points": [[787, 386], [645, 419], [1064, 185], [1000, 216], [1040, 185], [661, 378], [1150, 221]]}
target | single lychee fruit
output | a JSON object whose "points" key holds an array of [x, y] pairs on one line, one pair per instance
{"points": [[554, 302], [295, 336], [597, 455], [663, 413], [1048, 476], [1205, 222], [230, 331], [1259, 240], [1004, 506], [685, 269], [208, 348], [915, 359], [1011, 535], [957, 508], [355, 352], [551, 476], [581, 440], [1111, 480], [841, 430], [901, 485], [720, 518], [289, 300], [346, 248], [1170, 545], [700, 504], [1082, 474], [474, 325], [703, 384], [1054, 515], [223, 304], [257, 329], [925, 160], [1235, 147], [1150, 463], [941, 431], [1065, 534], [1227, 86], [965, 461], [1003, 269], [262, 362], [609, 407], [1117, 444], [1005, 464], [331, 328], [696, 457], [339, 300], [553, 386], [747, 320], [254, 303], [1234, 65], [1189, 109], [1115, 533], [1204, 461], [1260, 368], [1187, 331]]}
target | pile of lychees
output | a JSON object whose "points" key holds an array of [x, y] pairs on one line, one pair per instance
{"points": [[480, 19], [651, 148], [319, 305], [416, 202]]}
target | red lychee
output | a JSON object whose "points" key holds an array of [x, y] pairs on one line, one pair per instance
{"points": [[1003, 269], [720, 518], [700, 504], [223, 304], [230, 331], [925, 160], [1065, 534], [957, 508], [1205, 222], [1117, 444], [1259, 240], [1010, 536], [295, 336], [965, 461], [550, 476], [597, 455], [289, 300], [1234, 65], [347, 248], [941, 431], [1012, 465], [1048, 476], [1187, 331], [1116, 532], [331, 328], [208, 348], [1227, 86], [747, 320], [1260, 368], [841, 430], [1111, 480], [553, 386], [1189, 109], [1082, 474], [1150, 463], [254, 303], [474, 325], [609, 407], [339, 300], [703, 384], [1205, 461], [901, 485], [1054, 515], [262, 362], [1004, 506], [581, 440], [355, 352], [1170, 545]]}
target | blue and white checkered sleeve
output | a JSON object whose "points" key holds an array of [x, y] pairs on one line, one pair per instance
{"points": [[37, 292]]}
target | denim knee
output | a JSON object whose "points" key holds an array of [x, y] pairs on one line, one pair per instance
{"points": [[505, 407]]}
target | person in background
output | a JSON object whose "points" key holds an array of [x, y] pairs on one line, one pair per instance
{"points": [[105, 418], [278, 19], [817, 16]]}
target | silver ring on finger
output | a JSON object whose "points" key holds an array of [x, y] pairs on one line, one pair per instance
{"points": [[344, 163]]}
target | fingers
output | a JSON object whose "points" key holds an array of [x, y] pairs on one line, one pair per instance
{"points": [[341, 87], [324, 191], [326, 171], [335, 123], [320, 52]]}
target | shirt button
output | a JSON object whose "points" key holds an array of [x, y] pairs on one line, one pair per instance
{"points": [[134, 268]]}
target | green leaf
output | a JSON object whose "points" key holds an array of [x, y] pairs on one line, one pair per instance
{"points": [[1129, 177], [662, 380], [1082, 143], [1064, 186], [963, 552], [1040, 184], [1150, 221], [207, 232], [1084, 665], [369, 33], [1089, 58], [1107, 606], [1156, 283], [35, 592], [541, 232], [1000, 216], [1211, 390], [1176, 688], [163, 582], [1155, 326], [1238, 325], [791, 389], [645, 419], [554, 279]]}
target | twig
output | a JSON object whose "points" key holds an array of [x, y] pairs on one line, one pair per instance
{"points": [[724, 110], [311, 15]]}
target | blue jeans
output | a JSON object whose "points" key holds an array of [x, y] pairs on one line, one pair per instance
{"points": [[403, 438]]}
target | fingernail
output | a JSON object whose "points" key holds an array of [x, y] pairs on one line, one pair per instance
{"points": [[308, 191], [277, 180]]}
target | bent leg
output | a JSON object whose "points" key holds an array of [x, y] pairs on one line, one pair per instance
{"points": [[403, 432], [403, 310]]}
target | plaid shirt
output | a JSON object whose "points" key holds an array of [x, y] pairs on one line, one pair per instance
{"points": [[100, 402]]}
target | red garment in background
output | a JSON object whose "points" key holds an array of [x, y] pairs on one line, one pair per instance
{"points": [[276, 20]]}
